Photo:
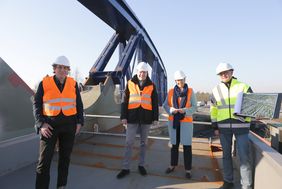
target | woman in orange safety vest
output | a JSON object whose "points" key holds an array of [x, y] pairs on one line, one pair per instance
{"points": [[180, 104]]}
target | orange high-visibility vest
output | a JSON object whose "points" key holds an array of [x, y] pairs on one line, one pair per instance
{"points": [[188, 104], [55, 101], [139, 98]]}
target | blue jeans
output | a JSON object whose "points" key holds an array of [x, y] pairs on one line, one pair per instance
{"points": [[242, 141]]}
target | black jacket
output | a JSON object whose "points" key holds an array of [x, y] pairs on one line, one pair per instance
{"points": [[140, 115], [61, 118]]}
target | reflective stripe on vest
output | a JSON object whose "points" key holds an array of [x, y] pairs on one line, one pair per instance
{"points": [[139, 98], [55, 101], [225, 100], [234, 125], [188, 104]]}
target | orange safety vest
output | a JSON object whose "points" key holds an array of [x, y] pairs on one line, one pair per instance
{"points": [[55, 101], [139, 98], [188, 104]]}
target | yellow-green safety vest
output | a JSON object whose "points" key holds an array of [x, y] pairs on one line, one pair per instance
{"points": [[226, 99]]}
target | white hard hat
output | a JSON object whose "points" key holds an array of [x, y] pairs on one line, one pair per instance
{"points": [[222, 67], [62, 60], [142, 66], [179, 75]]}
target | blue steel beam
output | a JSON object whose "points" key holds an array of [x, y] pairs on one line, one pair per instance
{"points": [[127, 54], [121, 68], [118, 15], [105, 56], [114, 13]]}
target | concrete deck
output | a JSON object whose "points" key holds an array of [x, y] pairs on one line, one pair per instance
{"points": [[96, 160]]}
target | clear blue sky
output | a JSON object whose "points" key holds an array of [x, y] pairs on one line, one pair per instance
{"points": [[191, 35]]}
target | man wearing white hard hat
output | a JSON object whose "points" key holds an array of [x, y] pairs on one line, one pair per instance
{"points": [[58, 112], [226, 124], [180, 105], [139, 109]]}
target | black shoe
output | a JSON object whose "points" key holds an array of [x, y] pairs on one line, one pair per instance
{"points": [[188, 175], [169, 170], [123, 173], [227, 185], [142, 170]]}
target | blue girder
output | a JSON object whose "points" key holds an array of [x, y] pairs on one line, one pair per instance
{"points": [[132, 38]]}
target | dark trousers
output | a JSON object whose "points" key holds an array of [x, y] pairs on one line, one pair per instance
{"points": [[65, 135], [187, 152]]}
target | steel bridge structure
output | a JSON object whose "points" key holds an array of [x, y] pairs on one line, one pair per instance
{"points": [[133, 42]]}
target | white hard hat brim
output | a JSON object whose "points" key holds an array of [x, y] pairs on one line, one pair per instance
{"points": [[225, 70], [62, 60], [56, 64], [142, 66], [178, 75]]}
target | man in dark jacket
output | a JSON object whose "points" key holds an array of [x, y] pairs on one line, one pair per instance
{"points": [[58, 112], [139, 110]]}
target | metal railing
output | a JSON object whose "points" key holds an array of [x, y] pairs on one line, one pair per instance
{"points": [[96, 129]]}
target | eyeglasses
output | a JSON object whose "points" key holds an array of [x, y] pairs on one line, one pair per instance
{"points": [[63, 67], [224, 73], [179, 80]]}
